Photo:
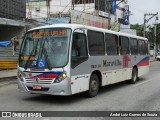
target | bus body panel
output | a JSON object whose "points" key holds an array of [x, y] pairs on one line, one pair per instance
{"points": [[80, 83], [113, 69], [143, 70]]}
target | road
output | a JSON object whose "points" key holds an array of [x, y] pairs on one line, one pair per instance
{"points": [[142, 96]]}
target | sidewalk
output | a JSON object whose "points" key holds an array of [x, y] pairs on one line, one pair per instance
{"points": [[8, 73]]}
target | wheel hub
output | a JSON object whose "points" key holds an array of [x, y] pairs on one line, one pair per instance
{"points": [[94, 85]]}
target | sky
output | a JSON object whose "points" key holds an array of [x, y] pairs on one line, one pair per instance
{"points": [[140, 7]]}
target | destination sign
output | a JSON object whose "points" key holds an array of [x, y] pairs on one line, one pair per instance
{"points": [[49, 33]]}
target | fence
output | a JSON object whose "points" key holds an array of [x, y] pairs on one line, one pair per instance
{"points": [[8, 64], [7, 59]]}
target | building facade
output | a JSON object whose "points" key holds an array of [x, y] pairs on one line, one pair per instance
{"points": [[13, 9], [42, 9], [12, 19]]}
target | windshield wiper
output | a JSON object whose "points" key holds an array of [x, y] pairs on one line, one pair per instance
{"points": [[44, 51], [26, 65], [46, 57]]}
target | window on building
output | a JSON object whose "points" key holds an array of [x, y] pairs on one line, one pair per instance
{"points": [[124, 45], [83, 1], [78, 1], [89, 1], [96, 43], [102, 5], [133, 46], [111, 44]]}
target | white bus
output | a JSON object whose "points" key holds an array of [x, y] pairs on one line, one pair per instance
{"points": [[65, 59]]}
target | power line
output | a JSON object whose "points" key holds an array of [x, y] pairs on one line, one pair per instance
{"points": [[65, 7]]}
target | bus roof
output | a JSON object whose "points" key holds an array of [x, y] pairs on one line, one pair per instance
{"points": [[75, 26]]}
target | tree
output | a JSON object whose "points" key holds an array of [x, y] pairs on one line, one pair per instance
{"points": [[138, 28], [150, 33], [158, 34]]}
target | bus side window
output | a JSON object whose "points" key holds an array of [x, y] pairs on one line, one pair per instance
{"points": [[124, 45], [111, 44], [79, 49], [142, 47], [133, 46], [75, 46], [96, 44]]}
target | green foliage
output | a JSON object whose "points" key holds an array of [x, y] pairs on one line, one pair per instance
{"points": [[158, 34], [150, 32], [138, 28]]}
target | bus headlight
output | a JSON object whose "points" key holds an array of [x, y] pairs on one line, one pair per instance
{"points": [[20, 75], [60, 77]]}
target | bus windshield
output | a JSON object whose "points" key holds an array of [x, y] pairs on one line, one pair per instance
{"points": [[45, 48]]}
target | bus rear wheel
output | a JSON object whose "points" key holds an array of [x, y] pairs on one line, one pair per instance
{"points": [[93, 86], [134, 76]]}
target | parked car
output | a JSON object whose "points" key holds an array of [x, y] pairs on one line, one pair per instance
{"points": [[158, 56]]}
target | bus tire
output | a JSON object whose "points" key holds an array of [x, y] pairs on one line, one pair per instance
{"points": [[93, 86], [134, 76]]}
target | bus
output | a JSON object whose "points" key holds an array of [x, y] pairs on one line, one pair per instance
{"points": [[66, 59]]}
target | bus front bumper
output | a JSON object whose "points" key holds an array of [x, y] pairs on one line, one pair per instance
{"points": [[63, 88]]}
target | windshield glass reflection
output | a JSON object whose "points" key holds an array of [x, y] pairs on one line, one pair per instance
{"points": [[45, 48]]}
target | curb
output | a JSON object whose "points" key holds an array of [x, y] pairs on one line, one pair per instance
{"points": [[8, 78], [6, 75]]}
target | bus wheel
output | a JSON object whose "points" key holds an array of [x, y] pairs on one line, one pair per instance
{"points": [[93, 86], [134, 76]]}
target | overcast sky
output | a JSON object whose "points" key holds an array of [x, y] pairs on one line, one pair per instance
{"points": [[139, 7]]}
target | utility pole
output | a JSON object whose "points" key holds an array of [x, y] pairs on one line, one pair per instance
{"points": [[84, 5], [73, 2], [144, 31], [144, 27], [155, 36], [97, 7], [155, 32], [48, 8], [147, 20], [29, 10]]}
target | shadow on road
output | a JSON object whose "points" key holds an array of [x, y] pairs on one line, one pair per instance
{"points": [[119, 85], [60, 100], [55, 99]]}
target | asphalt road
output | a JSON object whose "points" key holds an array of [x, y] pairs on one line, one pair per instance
{"points": [[142, 96]]}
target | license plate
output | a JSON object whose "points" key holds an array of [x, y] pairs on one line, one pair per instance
{"points": [[36, 87]]}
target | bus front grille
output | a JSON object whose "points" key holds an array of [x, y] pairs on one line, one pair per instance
{"points": [[39, 81]]}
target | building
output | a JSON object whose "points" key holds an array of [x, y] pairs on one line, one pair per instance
{"points": [[44, 9], [115, 12], [12, 17], [50, 8], [13, 9]]}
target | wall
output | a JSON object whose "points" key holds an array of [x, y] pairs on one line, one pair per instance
{"points": [[56, 7], [8, 32], [13, 9]]}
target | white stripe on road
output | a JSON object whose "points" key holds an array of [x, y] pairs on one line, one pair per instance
{"points": [[143, 82]]}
